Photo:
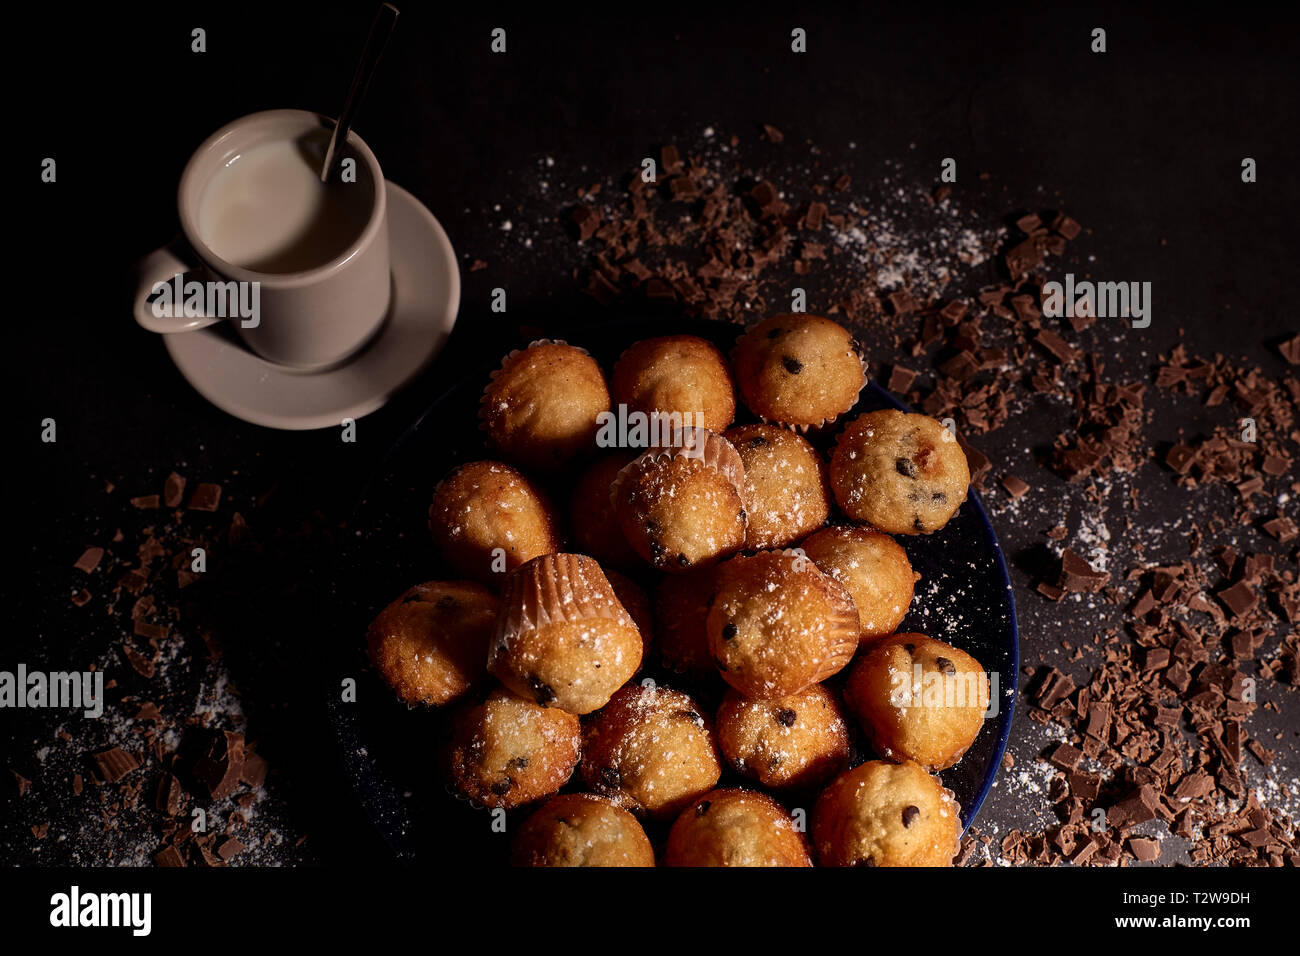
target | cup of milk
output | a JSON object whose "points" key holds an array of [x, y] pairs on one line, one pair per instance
{"points": [[297, 266]]}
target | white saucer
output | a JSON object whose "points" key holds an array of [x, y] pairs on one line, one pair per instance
{"points": [[426, 296]]}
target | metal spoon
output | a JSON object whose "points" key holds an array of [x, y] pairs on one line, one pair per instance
{"points": [[380, 30]]}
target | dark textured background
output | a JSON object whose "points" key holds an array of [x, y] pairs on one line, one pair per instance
{"points": [[1145, 142]]}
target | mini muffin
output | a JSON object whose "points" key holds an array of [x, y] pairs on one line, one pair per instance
{"points": [[650, 750], [786, 489], [735, 828], [596, 530], [791, 742], [541, 406], [873, 567], [918, 699], [431, 643], [886, 814], [676, 375], [563, 638], [487, 519], [507, 751], [777, 624], [637, 604], [901, 472], [681, 605], [799, 370], [580, 829], [684, 506]]}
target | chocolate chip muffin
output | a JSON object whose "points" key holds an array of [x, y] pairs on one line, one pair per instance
{"points": [[650, 750], [431, 643], [785, 485], [900, 472], [918, 699], [735, 828], [488, 519], [563, 638], [886, 814], [541, 406], [676, 375], [799, 370], [681, 605], [637, 604], [873, 567], [794, 742], [581, 829], [685, 506], [777, 624], [596, 530], [506, 751]]}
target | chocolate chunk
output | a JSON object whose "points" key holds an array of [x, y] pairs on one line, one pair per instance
{"points": [[901, 379], [206, 497], [729, 631], [173, 490], [114, 764], [253, 770], [145, 502], [1014, 486], [587, 221], [910, 813], [1145, 849], [905, 467], [169, 797], [1290, 350], [1077, 576], [139, 663], [230, 847], [169, 856], [1239, 599], [89, 559], [786, 717], [945, 666], [218, 769]]}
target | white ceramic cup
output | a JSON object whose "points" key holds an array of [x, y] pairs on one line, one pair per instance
{"points": [[307, 320]]}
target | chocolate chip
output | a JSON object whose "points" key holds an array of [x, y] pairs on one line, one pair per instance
{"points": [[910, 814], [542, 691], [945, 665], [865, 861], [786, 717], [611, 777], [729, 631], [683, 560], [690, 715], [702, 808], [518, 763], [446, 603], [502, 788], [939, 497], [905, 467], [773, 333], [758, 441], [792, 364]]}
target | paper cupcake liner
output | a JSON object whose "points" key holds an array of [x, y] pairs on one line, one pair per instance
{"points": [[802, 428], [710, 447], [555, 589]]}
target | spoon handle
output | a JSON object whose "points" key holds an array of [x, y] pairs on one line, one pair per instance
{"points": [[380, 30]]}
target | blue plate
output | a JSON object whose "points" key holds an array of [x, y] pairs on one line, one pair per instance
{"points": [[392, 752]]}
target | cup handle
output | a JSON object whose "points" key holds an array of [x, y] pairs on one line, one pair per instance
{"points": [[162, 266]]}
